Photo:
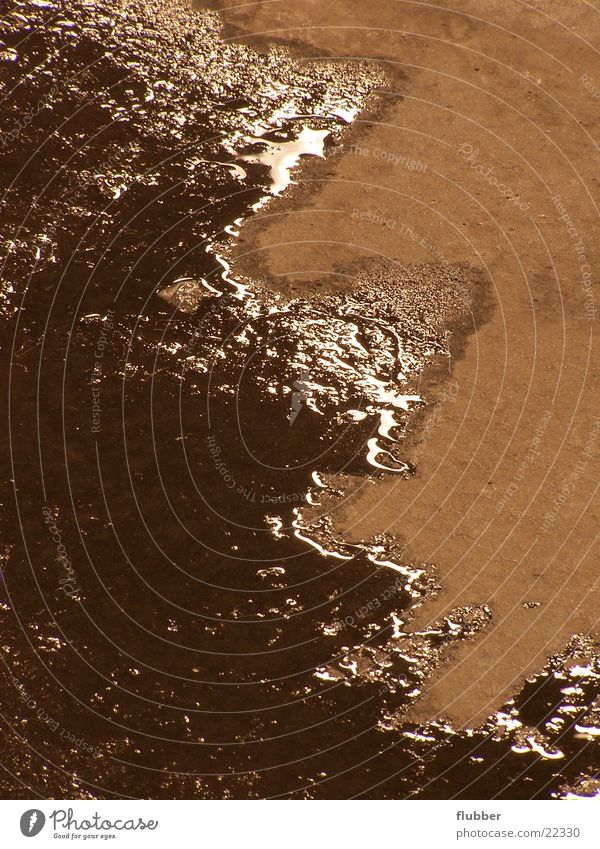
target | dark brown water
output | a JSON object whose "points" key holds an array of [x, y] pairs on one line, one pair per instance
{"points": [[172, 623]]}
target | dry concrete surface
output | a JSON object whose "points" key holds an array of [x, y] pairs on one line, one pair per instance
{"points": [[482, 151]]}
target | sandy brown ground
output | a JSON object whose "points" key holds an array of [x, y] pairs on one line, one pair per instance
{"points": [[507, 79]]}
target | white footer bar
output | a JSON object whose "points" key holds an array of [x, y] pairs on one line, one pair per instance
{"points": [[302, 825]]}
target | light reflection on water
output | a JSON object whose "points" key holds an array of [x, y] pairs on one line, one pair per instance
{"points": [[224, 644]]}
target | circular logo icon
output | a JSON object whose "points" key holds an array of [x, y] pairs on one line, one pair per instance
{"points": [[32, 822]]}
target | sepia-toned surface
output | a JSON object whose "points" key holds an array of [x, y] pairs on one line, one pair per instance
{"points": [[296, 348], [504, 501]]}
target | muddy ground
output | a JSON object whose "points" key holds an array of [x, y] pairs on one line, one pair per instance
{"points": [[481, 152]]}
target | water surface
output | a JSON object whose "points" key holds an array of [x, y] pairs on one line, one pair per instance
{"points": [[175, 620]]}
